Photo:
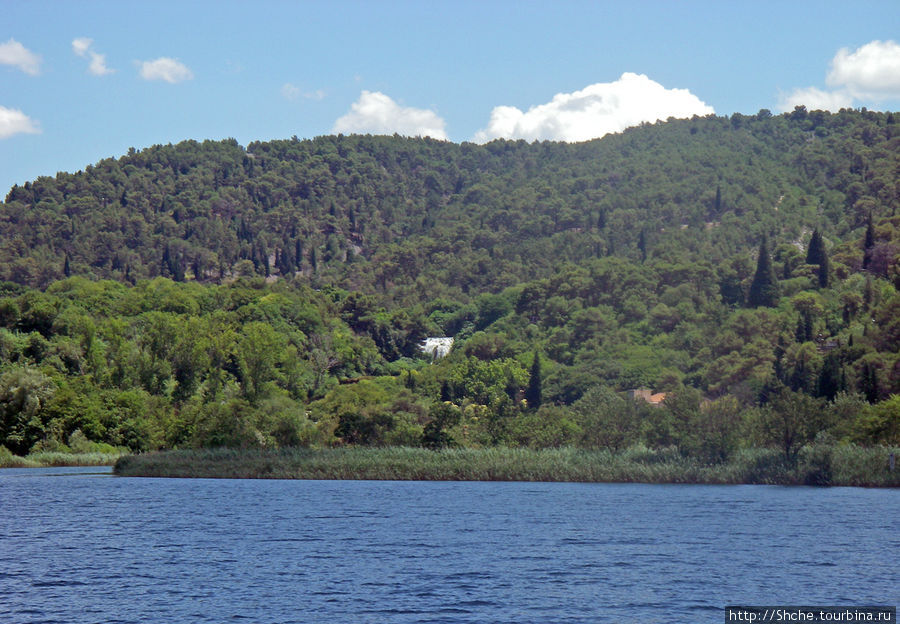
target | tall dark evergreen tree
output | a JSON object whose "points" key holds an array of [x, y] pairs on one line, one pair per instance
{"points": [[831, 377], [868, 383], [815, 253], [764, 288], [67, 270], [804, 332], [869, 243], [533, 394], [824, 268]]}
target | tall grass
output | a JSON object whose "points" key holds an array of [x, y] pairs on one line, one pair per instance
{"points": [[849, 465], [44, 459]]}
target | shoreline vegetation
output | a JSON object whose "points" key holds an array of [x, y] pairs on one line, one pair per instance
{"points": [[58, 459], [846, 465], [78, 452]]}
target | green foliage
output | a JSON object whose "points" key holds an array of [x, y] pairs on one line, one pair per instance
{"points": [[764, 288], [850, 465], [276, 295], [24, 393], [790, 422], [533, 393], [606, 420]]}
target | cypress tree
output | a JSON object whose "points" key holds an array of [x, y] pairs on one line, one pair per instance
{"points": [[533, 392], [764, 289], [804, 331], [868, 383], [446, 391], [823, 272], [779, 360], [869, 243], [831, 378], [67, 270], [815, 253]]}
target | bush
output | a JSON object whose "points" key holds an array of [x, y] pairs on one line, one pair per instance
{"points": [[816, 466]]}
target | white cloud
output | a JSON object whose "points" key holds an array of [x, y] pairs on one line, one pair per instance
{"points": [[872, 71], [293, 92], [165, 68], [81, 44], [14, 121], [98, 65], [816, 99], [82, 47], [14, 53], [376, 113], [594, 111]]}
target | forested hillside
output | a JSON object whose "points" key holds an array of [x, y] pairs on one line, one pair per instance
{"points": [[206, 294]]}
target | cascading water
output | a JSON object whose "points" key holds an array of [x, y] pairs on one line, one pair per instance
{"points": [[437, 347]]}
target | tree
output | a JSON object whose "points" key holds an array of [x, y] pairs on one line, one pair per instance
{"points": [[815, 252], [24, 393], [259, 351], [606, 419], [831, 378], [868, 243], [764, 288], [791, 421], [533, 392], [824, 268], [442, 416], [715, 430]]}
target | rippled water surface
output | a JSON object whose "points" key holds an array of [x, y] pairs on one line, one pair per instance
{"points": [[78, 545]]}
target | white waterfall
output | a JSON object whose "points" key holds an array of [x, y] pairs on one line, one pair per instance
{"points": [[437, 347]]}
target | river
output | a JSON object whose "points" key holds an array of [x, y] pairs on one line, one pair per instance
{"points": [[78, 545]]}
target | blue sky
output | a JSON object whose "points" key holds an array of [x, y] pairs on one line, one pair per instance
{"points": [[81, 81]]}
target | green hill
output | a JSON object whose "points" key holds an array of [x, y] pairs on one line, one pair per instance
{"points": [[276, 294]]}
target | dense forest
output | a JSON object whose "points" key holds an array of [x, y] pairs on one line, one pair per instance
{"points": [[740, 273]]}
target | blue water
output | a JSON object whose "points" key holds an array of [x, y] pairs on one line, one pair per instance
{"points": [[78, 545]]}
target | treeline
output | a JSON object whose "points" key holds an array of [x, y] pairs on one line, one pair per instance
{"points": [[165, 365], [408, 219], [743, 269]]}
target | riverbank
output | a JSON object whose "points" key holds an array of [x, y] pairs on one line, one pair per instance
{"points": [[839, 465], [56, 459]]}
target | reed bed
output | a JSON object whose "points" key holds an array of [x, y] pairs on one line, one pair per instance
{"points": [[56, 459], [847, 465]]}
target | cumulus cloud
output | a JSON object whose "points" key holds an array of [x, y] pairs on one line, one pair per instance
{"points": [[376, 113], [594, 111], [871, 71], [82, 47], [165, 68], [816, 99], [15, 54], [14, 121]]}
